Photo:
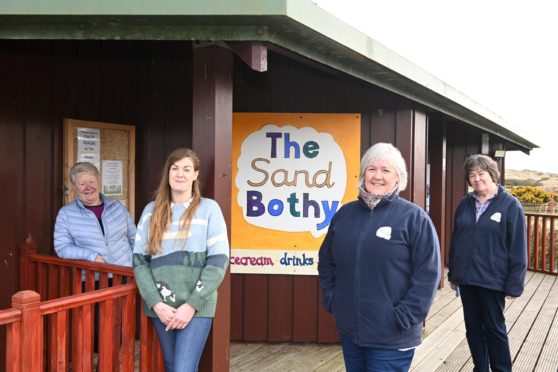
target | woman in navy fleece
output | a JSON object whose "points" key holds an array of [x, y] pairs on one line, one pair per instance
{"points": [[487, 261], [379, 267]]}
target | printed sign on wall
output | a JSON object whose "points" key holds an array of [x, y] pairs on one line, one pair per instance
{"points": [[291, 173]]}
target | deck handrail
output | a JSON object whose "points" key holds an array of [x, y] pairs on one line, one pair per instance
{"points": [[57, 331], [88, 298], [542, 242], [10, 315], [37, 270]]}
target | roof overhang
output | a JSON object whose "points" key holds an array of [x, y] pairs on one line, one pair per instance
{"points": [[295, 25]]}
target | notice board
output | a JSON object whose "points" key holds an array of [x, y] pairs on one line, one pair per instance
{"points": [[111, 148]]}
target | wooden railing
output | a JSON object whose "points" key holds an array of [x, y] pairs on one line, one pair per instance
{"points": [[51, 323], [542, 242]]}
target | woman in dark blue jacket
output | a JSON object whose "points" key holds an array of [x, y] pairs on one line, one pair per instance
{"points": [[487, 261], [379, 267]]}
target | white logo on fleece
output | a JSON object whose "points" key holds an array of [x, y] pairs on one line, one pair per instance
{"points": [[496, 217], [384, 232]]}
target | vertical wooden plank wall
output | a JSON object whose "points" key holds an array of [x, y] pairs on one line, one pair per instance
{"points": [[288, 308], [212, 140], [149, 84], [12, 161], [461, 142], [438, 174]]}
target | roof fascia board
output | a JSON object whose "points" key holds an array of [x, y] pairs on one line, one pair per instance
{"points": [[143, 7], [330, 41]]}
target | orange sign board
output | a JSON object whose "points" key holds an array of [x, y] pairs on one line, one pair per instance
{"points": [[291, 173]]}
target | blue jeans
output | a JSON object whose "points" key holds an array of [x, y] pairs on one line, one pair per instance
{"points": [[182, 348], [483, 310], [372, 359]]}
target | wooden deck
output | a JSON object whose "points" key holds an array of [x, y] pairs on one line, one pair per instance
{"points": [[532, 322]]}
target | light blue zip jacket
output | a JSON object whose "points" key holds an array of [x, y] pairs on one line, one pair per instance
{"points": [[78, 235]]}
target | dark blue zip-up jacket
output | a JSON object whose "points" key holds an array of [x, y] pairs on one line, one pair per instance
{"points": [[490, 253], [379, 271]]}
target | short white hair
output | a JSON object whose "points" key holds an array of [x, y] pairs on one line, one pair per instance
{"points": [[83, 167], [389, 153]]}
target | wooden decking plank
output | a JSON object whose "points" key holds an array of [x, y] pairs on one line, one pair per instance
{"points": [[457, 359], [437, 320], [271, 360], [527, 318], [531, 348], [515, 307], [295, 361], [336, 364], [460, 358], [438, 336], [238, 346], [255, 355], [441, 351], [446, 291], [443, 299], [532, 322], [313, 360], [521, 313], [548, 360]]}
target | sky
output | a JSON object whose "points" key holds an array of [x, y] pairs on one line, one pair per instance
{"points": [[502, 54]]}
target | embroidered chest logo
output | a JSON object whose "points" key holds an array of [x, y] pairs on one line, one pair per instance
{"points": [[496, 217], [384, 232], [166, 292]]}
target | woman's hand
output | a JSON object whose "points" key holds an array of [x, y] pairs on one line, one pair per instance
{"points": [[99, 258], [164, 312], [453, 286], [182, 317]]}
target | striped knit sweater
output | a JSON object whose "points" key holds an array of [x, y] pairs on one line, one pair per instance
{"points": [[185, 270]]}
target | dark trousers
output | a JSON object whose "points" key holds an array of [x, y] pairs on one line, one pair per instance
{"points": [[372, 359], [483, 310]]}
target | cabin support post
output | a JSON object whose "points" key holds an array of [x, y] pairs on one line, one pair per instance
{"points": [[212, 141]]}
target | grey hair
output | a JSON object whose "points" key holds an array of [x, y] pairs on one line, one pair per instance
{"points": [[389, 153], [83, 167], [483, 162]]}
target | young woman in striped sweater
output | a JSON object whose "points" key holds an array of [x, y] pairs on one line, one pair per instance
{"points": [[180, 257]]}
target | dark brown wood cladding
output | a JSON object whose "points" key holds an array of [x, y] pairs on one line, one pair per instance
{"points": [[288, 308], [417, 170], [149, 84], [437, 144], [461, 142]]}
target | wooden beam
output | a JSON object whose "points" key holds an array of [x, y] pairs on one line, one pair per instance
{"points": [[212, 140], [437, 192], [420, 150], [253, 54], [404, 123]]}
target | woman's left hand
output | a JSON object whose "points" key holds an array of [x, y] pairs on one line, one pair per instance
{"points": [[182, 317]]}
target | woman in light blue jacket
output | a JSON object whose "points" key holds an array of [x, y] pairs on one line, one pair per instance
{"points": [[93, 227]]}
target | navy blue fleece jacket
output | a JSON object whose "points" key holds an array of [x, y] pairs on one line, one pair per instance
{"points": [[379, 271], [490, 253]]}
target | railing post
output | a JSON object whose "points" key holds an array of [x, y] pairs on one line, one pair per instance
{"points": [[25, 250], [31, 346]]}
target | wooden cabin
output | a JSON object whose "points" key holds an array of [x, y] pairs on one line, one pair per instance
{"points": [[177, 71]]}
